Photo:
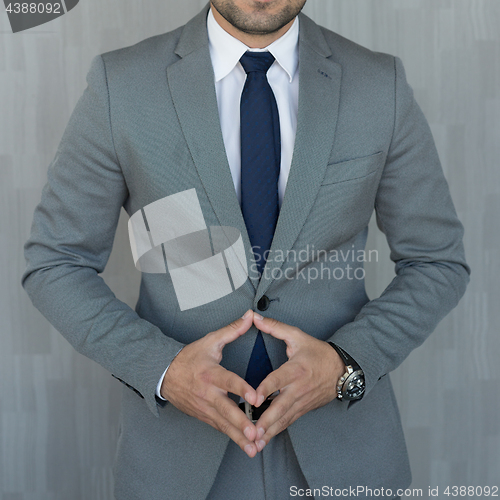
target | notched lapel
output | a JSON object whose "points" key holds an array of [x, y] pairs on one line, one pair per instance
{"points": [[319, 96], [192, 87]]}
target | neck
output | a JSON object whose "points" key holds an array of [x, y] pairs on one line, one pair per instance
{"points": [[253, 41]]}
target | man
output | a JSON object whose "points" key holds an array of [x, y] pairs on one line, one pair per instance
{"points": [[342, 135]]}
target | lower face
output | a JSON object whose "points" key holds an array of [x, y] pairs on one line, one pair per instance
{"points": [[258, 17]]}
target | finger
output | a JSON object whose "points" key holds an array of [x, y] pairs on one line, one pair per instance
{"points": [[275, 328], [234, 330], [278, 426], [230, 382], [230, 411], [276, 413], [249, 447], [243, 434], [277, 380]]}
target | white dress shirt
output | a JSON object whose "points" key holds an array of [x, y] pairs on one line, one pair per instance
{"points": [[230, 77]]}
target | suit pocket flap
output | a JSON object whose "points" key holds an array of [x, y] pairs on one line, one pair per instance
{"points": [[352, 169]]}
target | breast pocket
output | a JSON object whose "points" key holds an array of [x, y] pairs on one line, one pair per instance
{"points": [[353, 169], [346, 199]]}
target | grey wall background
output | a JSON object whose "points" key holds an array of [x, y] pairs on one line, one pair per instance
{"points": [[58, 410]]}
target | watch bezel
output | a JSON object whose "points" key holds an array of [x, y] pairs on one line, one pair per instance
{"points": [[346, 379]]}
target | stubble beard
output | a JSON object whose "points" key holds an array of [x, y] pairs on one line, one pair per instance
{"points": [[260, 24]]}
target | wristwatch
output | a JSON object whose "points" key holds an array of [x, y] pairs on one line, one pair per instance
{"points": [[351, 385]]}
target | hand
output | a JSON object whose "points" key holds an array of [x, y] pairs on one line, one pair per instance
{"points": [[306, 381], [196, 384]]}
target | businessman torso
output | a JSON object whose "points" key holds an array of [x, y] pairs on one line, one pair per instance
{"points": [[176, 144], [361, 144]]}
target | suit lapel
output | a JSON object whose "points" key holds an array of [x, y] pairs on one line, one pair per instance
{"points": [[192, 87], [319, 95]]}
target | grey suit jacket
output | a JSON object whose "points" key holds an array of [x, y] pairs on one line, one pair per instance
{"points": [[147, 127]]}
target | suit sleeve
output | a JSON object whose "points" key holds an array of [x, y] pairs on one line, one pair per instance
{"points": [[71, 238], [415, 211]]}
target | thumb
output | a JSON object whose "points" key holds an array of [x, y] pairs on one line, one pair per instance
{"points": [[234, 330], [287, 333], [275, 328]]}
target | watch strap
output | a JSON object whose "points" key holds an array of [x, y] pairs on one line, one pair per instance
{"points": [[348, 361]]}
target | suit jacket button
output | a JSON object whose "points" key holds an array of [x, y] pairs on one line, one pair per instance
{"points": [[263, 304]]}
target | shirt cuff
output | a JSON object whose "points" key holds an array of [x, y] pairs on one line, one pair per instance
{"points": [[158, 387]]}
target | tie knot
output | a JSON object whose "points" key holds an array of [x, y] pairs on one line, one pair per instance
{"points": [[256, 61]]}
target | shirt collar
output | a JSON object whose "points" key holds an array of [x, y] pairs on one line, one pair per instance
{"points": [[226, 51]]}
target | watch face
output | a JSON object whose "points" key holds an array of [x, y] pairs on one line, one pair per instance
{"points": [[354, 386]]}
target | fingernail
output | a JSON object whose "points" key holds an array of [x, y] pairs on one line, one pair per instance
{"points": [[258, 316], [260, 400], [260, 432], [248, 397], [248, 449], [261, 444], [245, 316]]}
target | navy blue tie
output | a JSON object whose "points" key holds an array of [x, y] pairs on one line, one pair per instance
{"points": [[260, 169]]}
